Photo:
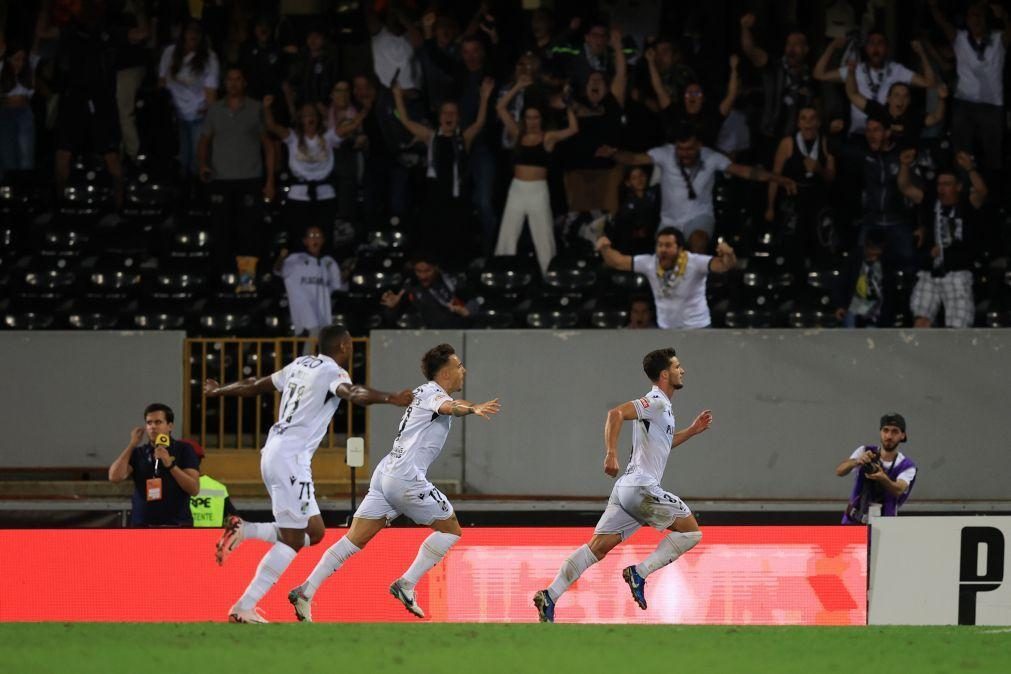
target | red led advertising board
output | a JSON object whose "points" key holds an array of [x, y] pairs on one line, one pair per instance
{"points": [[735, 576]]}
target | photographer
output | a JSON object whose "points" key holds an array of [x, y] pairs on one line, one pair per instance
{"points": [[886, 475], [165, 471]]}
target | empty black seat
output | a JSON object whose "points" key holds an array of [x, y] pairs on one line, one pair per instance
{"points": [[191, 243], [749, 317], [546, 314], [93, 316], [495, 316], [570, 275], [607, 316], [812, 318], [176, 285]]}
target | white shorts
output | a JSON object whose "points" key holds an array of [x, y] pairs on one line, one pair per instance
{"points": [[632, 506], [389, 497], [288, 478]]}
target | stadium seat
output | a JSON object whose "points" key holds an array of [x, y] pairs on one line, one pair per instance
{"points": [[553, 315], [820, 288], [608, 314], [410, 320], [749, 317], [386, 238], [191, 243], [812, 318], [148, 198], [507, 276], [495, 316], [88, 192], [54, 279], [159, 320], [23, 195], [63, 241], [35, 318], [92, 316], [570, 275], [997, 318], [226, 318], [113, 284], [168, 284]]}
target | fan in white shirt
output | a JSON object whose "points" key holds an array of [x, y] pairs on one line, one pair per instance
{"points": [[876, 75], [980, 52], [677, 277], [400, 484], [311, 389], [637, 497], [687, 176], [309, 279]]}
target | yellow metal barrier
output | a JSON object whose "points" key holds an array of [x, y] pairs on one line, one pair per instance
{"points": [[243, 423]]}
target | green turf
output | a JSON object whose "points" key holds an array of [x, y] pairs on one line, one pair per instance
{"points": [[488, 649]]}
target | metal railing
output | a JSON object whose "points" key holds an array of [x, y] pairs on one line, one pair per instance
{"points": [[234, 423]]}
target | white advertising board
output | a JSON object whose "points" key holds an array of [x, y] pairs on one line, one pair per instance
{"points": [[940, 571]]}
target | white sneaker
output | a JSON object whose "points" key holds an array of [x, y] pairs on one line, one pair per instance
{"points": [[230, 539], [407, 599], [249, 616], [301, 604]]}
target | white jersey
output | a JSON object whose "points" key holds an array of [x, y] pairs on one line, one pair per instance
{"points": [[423, 432], [652, 438], [308, 387], [309, 282]]}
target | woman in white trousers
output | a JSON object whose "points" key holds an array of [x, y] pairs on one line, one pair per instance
{"points": [[528, 193]]}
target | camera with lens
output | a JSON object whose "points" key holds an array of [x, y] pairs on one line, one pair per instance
{"points": [[875, 464]]}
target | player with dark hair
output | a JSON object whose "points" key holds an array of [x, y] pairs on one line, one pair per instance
{"points": [[637, 497], [400, 484], [311, 390]]}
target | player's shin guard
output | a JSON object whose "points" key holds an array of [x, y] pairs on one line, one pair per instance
{"points": [[670, 548], [578, 562], [432, 550], [332, 559], [270, 569]]}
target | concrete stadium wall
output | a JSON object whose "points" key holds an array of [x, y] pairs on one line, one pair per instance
{"points": [[71, 398], [788, 406]]}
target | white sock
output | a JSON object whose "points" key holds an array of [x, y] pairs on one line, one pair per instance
{"points": [[261, 531], [573, 567], [431, 552], [670, 548], [270, 569], [332, 559]]}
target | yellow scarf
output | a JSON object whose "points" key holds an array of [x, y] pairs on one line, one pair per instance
{"points": [[680, 266]]}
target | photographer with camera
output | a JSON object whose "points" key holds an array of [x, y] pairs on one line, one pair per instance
{"points": [[165, 471], [886, 476]]}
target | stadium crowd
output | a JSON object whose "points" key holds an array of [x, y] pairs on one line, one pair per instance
{"points": [[481, 165]]}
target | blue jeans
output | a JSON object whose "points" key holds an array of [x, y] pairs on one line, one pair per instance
{"points": [[189, 136], [17, 139]]}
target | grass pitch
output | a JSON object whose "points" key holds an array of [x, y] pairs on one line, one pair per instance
{"points": [[492, 648]]}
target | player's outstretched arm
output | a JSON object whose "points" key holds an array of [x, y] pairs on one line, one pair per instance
{"points": [[245, 388], [461, 408], [358, 394], [701, 424], [612, 429]]}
